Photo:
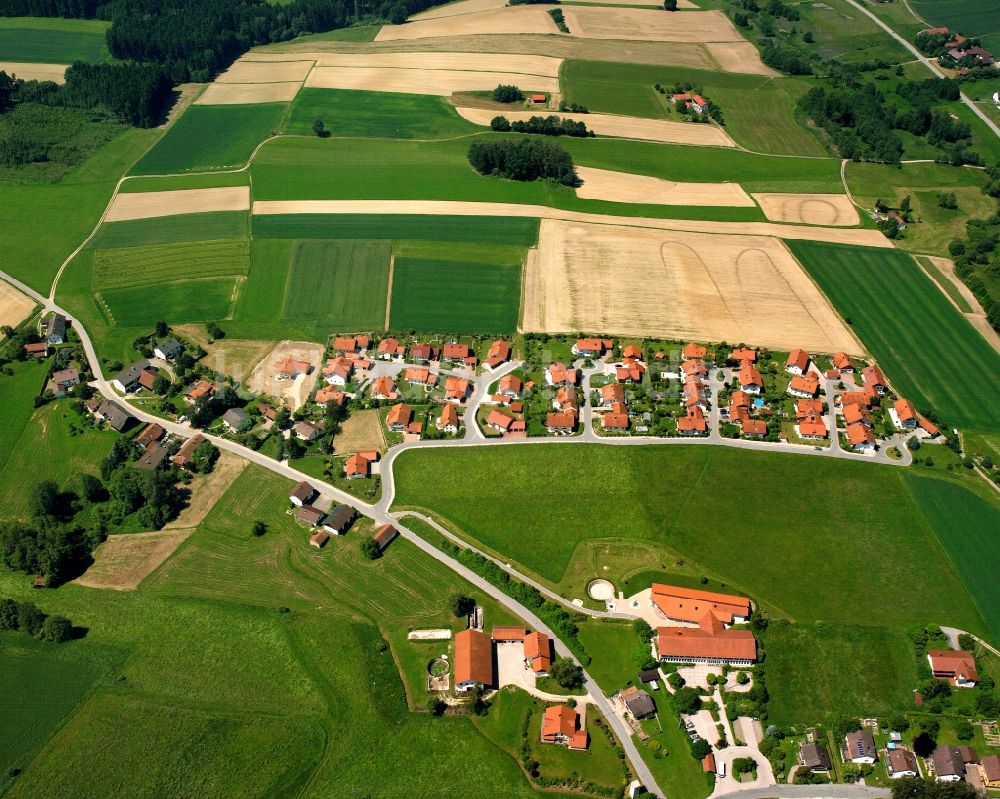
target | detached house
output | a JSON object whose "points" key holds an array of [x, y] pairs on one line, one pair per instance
{"points": [[199, 389], [637, 702], [750, 380], [611, 394], [448, 422], [900, 762], [389, 350], [288, 368], [744, 356], [118, 418], [399, 417], [344, 344], [592, 347], [384, 388], [460, 353], [860, 438], [560, 725], [64, 380], [815, 757], [874, 379], [798, 362], [949, 766], [302, 494], [456, 390], [510, 386], [558, 374], [694, 423], [903, 415], [561, 423], [423, 353], [958, 667], [538, 653], [307, 431], [236, 419], [843, 363], [616, 419], [168, 349], [693, 352], [420, 377], [498, 354], [53, 328], [806, 387], [357, 467], [127, 380], [859, 747]]}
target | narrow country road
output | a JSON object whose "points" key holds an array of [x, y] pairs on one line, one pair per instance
{"points": [[927, 62], [854, 791]]}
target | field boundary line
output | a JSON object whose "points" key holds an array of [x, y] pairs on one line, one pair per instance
{"points": [[388, 293]]}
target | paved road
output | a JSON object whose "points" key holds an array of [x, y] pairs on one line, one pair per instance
{"points": [[927, 62], [809, 792]]}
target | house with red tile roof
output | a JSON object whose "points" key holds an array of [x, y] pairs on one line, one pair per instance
{"points": [[750, 380], [199, 389], [616, 419], [357, 467], [36, 349], [928, 427], [709, 642], [592, 347], [508, 635], [798, 362], [419, 376], [499, 421], [338, 371], [147, 377], [691, 604], [804, 386], [842, 363], [538, 653], [956, 666], [874, 379], [693, 369], [812, 427], [289, 368], [344, 344], [804, 408], [384, 535], [510, 386], [861, 438], [558, 374], [739, 399], [693, 352], [448, 420], [864, 399], [744, 355], [499, 354], [612, 393], [423, 353], [903, 414], [694, 394], [399, 417], [150, 435], [389, 349], [458, 352], [754, 428], [561, 725], [693, 424], [566, 400], [562, 423], [328, 394], [630, 372], [384, 388], [456, 389], [632, 352], [473, 661]]}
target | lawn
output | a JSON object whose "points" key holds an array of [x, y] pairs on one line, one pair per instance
{"points": [[212, 137], [967, 528], [611, 645], [680, 498], [140, 266], [377, 115], [521, 231], [41, 224], [759, 111], [393, 169], [179, 302], [341, 285], [455, 296], [911, 329], [53, 41], [816, 672], [172, 229]]}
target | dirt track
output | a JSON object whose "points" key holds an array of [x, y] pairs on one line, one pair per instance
{"points": [[624, 187], [28, 71], [740, 57], [641, 24], [861, 237], [14, 306], [683, 285], [809, 209], [148, 204], [622, 127]]}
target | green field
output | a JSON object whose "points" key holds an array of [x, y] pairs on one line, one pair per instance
{"points": [[967, 529], [455, 296], [392, 169], [342, 285], [822, 671], [17, 392], [843, 34], [53, 41], [210, 180], [188, 301], [759, 111], [211, 137], [974, 18], [946, 283], [521, 231], [172, 230], [911, 329], [676, 498], [140, 266], [373, 115]]}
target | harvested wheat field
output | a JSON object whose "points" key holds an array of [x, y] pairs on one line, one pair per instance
{"points": [[684, 4], [620, 126], [462, 62], [247, 93], [149, 204], [457, 9], [740, 57], [251, 70], [857, 236], [514, 19], [28, 71], [440, 82], [635, 282], [124, 561], [14, 306], [809, 209], [649, 26], [624, 187], [292, 393], [206, 489], [361, 431]]}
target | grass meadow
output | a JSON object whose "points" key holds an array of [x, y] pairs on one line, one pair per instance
{"points": [[447, 296], [376, 115], [338, 284], [53, 41], [967, 529], [212, 137], [181, 301], [679, 498], [172, 230], [211, 180], [911, 329], [974, 18], [754, 106], [140, 266], [842, 33], [808, 681], [17, 393]]}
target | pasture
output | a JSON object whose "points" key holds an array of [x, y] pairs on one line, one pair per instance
{"points": [[181, 301], [430, 294], [910, 328], [17, 392], [196, 142], [668, 496], [808, 682], [172, 230], [52, 40], [967, 529], [341, 285], [375, 114], [843, 33], [756, 108], [140, 266]]}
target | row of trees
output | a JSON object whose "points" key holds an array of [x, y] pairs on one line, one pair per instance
{"points": [[543, 126], [27, 617], [524, 160]]}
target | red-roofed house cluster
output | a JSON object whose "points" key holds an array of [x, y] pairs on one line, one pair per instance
{"points": [[713, 640]]}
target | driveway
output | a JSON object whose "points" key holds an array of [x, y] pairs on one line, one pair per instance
{"points": [[728, 784], [512, 671]]}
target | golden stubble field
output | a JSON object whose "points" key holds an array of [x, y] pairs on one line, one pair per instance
{"points": [[149, 204], [809, 209], [707, 287], [14, 306]]}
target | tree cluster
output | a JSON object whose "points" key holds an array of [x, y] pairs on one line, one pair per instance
{"points": [[786, 59], [523, 160], [977, 259], [544, 126], [27, 617], [507, 93]]}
